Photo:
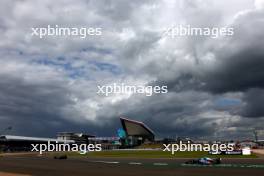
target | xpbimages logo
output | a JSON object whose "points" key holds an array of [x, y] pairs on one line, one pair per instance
{"points": [[131, 89], [182, 147], [56, 30], [188, 30], [63, 147]]}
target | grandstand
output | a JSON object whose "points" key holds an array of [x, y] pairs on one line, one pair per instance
{"points": [[136, 132]]}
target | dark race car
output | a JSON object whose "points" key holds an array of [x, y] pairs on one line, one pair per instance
{"points": [[204, 161], [60, 157]]}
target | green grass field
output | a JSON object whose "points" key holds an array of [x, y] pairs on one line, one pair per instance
{"points": [[156, 154]]}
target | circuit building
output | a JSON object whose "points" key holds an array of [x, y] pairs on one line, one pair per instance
{"points": [[24, 143], [137, 132]]}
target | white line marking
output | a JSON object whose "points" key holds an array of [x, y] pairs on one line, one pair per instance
{"points": [[134, 163], [160, 164], [107, 162]]}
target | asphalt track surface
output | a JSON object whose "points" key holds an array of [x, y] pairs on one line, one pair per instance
{"points": [[33, 165]]}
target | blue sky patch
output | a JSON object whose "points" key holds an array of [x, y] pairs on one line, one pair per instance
{"points": [[103, 66], [227, 102]]}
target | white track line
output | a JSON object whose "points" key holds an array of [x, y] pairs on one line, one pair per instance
{"points": [[107, 162], [134, 163], [160, 164]]}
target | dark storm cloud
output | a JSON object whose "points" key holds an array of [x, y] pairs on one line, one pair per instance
{"points": [[29, 106], [241, 62], [253, 107], [239, 72]]}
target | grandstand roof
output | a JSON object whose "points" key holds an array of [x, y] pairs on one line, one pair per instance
{"points": [[36, 139], [136, 128]]}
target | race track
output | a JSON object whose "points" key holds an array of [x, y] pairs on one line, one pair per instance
{"points": [[33, 165]]}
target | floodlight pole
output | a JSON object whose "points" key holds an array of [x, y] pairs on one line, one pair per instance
{"points": [[256, 135]]}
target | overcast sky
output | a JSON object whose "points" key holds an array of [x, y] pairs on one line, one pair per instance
{"points": [[49, 85]]}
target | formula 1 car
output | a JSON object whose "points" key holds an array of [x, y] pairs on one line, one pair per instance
{"points": [[60, 157], [204, 161]]}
